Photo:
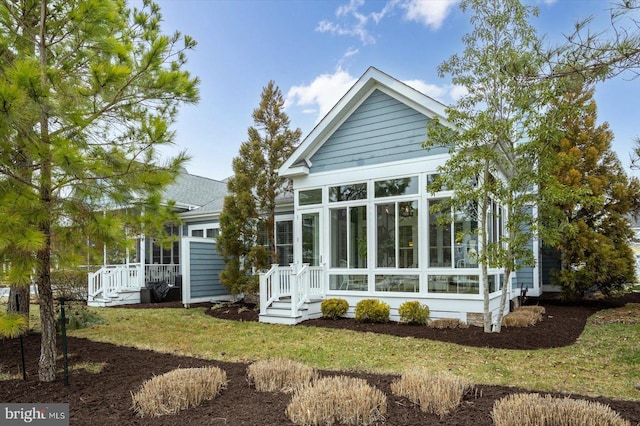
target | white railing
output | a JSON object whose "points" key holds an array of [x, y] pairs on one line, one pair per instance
{"points": [[299, 282], [161, 273], [111, 279]]}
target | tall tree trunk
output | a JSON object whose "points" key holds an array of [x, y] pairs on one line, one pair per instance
{"points": [[47, 364], [19, 300], [483, 246]]}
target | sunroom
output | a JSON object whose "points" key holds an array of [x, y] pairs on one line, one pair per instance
{"points": [[366, 220]]}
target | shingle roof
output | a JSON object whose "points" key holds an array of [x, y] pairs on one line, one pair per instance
{"points": [[194, 191]]}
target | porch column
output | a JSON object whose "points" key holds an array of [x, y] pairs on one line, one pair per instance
{"points": [[143, 259]]}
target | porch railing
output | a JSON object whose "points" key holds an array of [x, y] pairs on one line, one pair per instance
{"points": [[161, 273], [111, 279], [298, 282]]}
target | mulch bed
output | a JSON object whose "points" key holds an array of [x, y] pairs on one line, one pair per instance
{"points": [[105, 398]]}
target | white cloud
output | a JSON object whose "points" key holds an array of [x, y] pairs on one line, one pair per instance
{"points": [[430, 13], [325, 91], [350, 21], [431, 90], [322, 93], [456, 92], [447, 94], [353, 22]]}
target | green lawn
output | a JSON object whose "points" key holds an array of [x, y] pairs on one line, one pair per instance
{"points": [[604, 361]]}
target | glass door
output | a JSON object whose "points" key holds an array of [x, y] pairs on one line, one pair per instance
{"points": [[311, 238]]}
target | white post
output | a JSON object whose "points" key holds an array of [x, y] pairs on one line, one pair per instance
{"points": [[294, 289], [143, 258], [263, 294]]}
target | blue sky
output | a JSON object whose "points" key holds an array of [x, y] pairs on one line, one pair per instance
{"points": [[315, 50]]}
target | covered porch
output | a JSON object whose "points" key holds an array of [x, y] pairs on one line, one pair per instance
{"points": [[113, 285]]}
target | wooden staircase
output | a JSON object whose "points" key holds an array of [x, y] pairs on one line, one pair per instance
{"points": [[291, 294], [280, 312]]}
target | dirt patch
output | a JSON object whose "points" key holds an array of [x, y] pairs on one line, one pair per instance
{"points": [[104, 396]]}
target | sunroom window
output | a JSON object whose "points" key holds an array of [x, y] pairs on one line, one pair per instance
{"points": [[310, 197], [349, 237], [354, 191], [397, 235], [393, 187]]}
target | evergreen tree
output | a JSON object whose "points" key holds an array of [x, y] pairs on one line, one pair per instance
{"points": [[489, 134], [88, 90], [254, 189], [591, 217]]}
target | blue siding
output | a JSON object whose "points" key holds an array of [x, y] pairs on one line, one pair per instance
{"points": [[205, 264], [380, 130], [523, 277]]}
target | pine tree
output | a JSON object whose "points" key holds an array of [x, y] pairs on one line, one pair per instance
{"points": [[591, 215], [253, 190], [88, 91]]}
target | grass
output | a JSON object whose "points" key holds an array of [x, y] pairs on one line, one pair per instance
{"points": [[603, 362]]}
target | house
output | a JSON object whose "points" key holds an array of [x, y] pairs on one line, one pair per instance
{"points": [[362, 222], [151, 266], [358, 224]]}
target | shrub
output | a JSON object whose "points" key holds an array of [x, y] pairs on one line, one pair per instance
{"points": [[533, 409], [443, 323], [70, 284], [177, 390], [435, 393], [372, 310], [334, 308], [279, 375], [337, 400], [523, 316], [413, 313], [78, 316]]}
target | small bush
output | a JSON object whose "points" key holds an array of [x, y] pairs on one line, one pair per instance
{"points": [[534, 308], [279, 375], [70, 284], [334, 308], [413, 313], [533, 409], [78, 316], [435, 393], [443, 323], [523, 316], [337, 400], [177, 390], [372, 310]]}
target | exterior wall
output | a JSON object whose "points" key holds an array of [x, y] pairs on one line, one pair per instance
{"points": [[381, 130], [468, 310], [442, 305], [201, 270]]}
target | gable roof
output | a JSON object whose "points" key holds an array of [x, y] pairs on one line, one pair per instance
{"points": [[191, 191], [299, 162]]}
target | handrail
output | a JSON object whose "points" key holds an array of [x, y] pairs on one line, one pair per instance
{"points": [[301, 290], [268, 292], [299, 282], [111, 279]]}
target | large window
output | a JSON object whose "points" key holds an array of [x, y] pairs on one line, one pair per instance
{"points": [[439, 236], [466, 239], [284, 241], [168, 253], [453, 240], [397, 235], [349, 237]]}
